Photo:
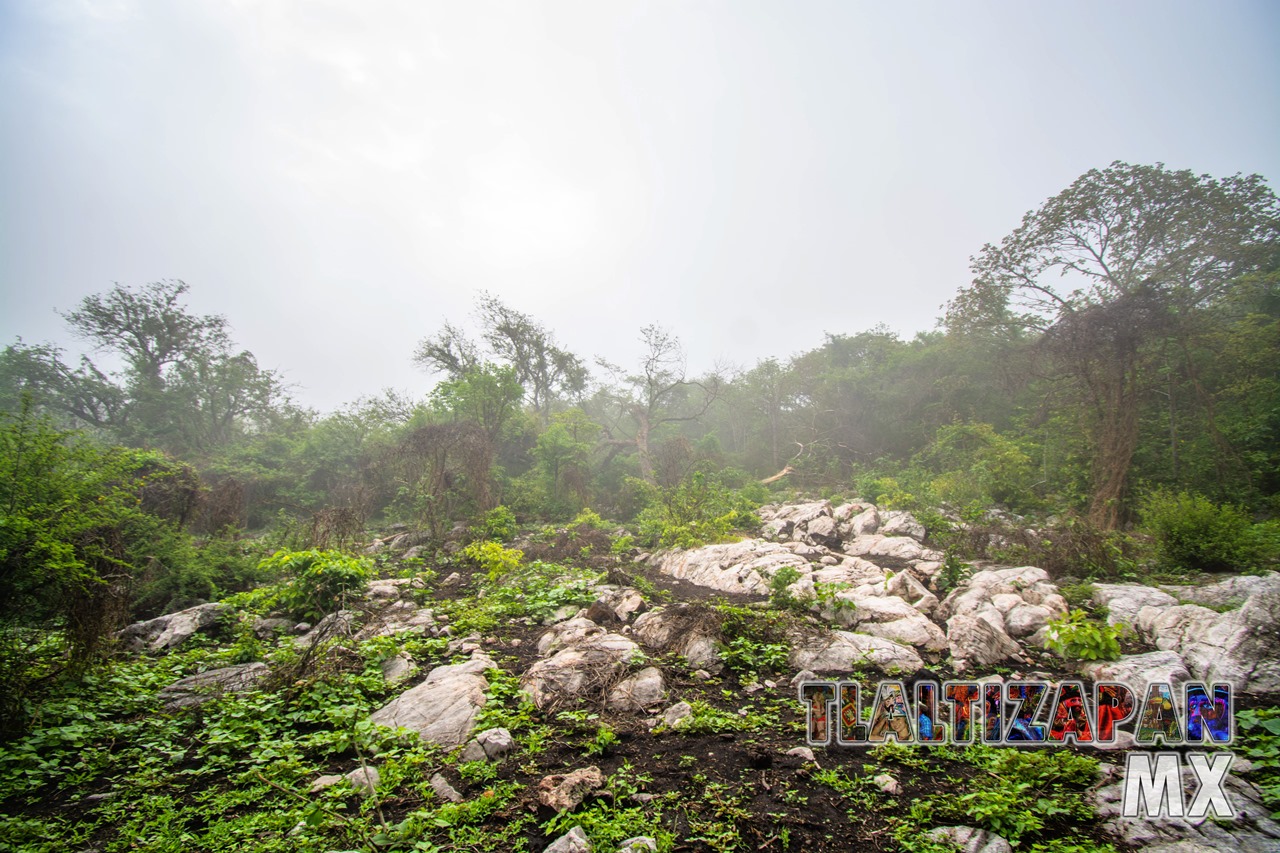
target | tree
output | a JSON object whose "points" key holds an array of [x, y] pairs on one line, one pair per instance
{"points": [[659, 394], [1114, 264], [542, 368], [182, 386]]}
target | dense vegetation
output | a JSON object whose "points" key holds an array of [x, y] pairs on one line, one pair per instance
{"points": [[1113, 370]]}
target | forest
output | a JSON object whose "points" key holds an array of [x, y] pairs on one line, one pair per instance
{"points": [[1102, 400]]}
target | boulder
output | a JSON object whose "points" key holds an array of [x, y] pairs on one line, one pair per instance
{"points": [[1231, 592], [739, 567], [1251, 830], [901, 523], [198, 689], [638, 692], [398, 669], [677, 712], [489, 745], [444, 790], [903, 549], [364, 780], [864, 523], [578, 670], [1240, 646], [172, 629], [567, 633], [573, 841], [842, 651], [1124, 600], [690, 631], [333, 625], [782, 521], [443, 708], [978, 642], [1138, 671]]}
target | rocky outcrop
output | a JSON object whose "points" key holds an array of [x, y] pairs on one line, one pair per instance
{"points": [[638, 692], [584, 668], [1137, 671], [843, 651], [1240, 646], [737, 567], [443, 708], [1124, 600], [974, 641], [692, 632], [173, 629]]}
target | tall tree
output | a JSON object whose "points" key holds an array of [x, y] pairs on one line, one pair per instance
{"points": [[1111, 265]]}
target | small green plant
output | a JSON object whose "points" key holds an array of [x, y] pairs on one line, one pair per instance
{"points": [[606, 739], [493, 558], [499, 524], [1260, 743], [1075, 636], [320, 582], [1078, 595], [589, 518], [953, 573], [747, 657], [779, 595], [622, 544]]}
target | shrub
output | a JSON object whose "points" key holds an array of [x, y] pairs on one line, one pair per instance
{"points": [[1192, 532], [499, 524], [1077, 637], [697, 511], [493, 558], [319, 581]]}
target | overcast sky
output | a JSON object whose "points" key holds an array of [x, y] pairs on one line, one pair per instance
{"points": [[337, 178]]}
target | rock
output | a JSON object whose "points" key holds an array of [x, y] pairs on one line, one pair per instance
{"points": [[915, 630], [403, 616], [677, 712], [970, 840], [639, 691], [625, 603], [901, 548], [693, 632], [863, 524], [742, 567], [165, 632], [567, 633], [887, 784], [1025, 619], [841, 651], [335, 624], [473, 751], [782, 521], [444, 790], [1231, 592], [1241, 646], [822, 532], [978, 642], [386, 589], [198, 689], [578, 669], [566, 792], [802, 752], [1124, 600], [1250, 831], [901, 523], [802, 676], [574, 841], [265, 629], [324, 782], [905, 585], [639, 844], [497, 743], [364, 780], [398, 669], [443, 708], [1138, 671], [453, 579]]}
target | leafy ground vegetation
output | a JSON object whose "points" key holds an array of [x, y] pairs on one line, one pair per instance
{"points": [[1118, 423]]}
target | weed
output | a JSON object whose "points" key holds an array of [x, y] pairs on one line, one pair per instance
{"points": [[1075, 636]]}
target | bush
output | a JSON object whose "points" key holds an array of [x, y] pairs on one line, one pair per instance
{"points": [[1077, 637], [499, 524], [320, 581], [493, 558], [1194, 533], [697, 511]]}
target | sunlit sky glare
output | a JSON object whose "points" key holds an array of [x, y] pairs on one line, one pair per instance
{"points": [[338, 178]]}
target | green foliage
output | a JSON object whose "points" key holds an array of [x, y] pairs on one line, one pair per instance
{"points": [[779, 595], [697, 511], [1077, 636], [1194, 533], [319, 582], [1259, 732], [954, 573], [748, 657], [496, 560], [975, 464], [499, 524]]}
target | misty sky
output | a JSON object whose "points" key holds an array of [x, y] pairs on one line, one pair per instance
{"points": [[337, 178]]}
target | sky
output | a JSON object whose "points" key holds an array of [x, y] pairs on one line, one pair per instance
{"points": [[339, 177]]}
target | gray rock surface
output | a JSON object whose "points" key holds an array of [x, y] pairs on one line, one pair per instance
{"points": [[970, 840], [573, 841], [198, 689], [978, 642], [443, 708], [564, 792], [582, 669], [173, 629], [842, 651], [638, 692]]}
